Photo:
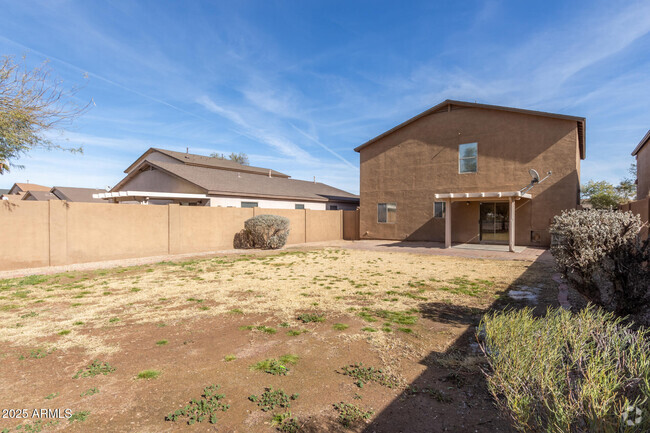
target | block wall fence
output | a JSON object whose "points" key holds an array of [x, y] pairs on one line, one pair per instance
{"points": [[641, 208], [36, 234]]}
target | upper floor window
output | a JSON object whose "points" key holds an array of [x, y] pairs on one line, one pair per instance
{"points": [[300, 206], [249, 204], [386, 212], [468, 158]]}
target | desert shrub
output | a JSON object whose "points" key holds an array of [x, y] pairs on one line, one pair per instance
{"points": [[600, 254], [268, 232], [568, 373], [243, 240]]}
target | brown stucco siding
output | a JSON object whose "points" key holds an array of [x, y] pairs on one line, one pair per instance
{"points": [[643, 172], [419, 160]]}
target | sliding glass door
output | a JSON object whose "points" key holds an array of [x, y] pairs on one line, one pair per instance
{"points": [[493, 223]]}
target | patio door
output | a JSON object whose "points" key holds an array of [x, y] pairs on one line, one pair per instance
{"points": [[493, 223]]}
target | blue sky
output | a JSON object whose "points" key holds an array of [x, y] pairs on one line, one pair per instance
{"points": [[298, 84]]}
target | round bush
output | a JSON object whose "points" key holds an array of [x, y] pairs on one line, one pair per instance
{"points": [[601, 256], [263, 231]]}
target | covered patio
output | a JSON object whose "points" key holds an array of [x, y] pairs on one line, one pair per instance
{"points": [[509, 197]]}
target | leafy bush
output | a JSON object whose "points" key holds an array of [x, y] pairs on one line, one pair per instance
{"points": [[601, 256], [268, 232], [568, 373]]}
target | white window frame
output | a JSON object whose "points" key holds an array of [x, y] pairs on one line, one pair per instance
{"points": [[387, 204], [461, 158], [444, 209]]}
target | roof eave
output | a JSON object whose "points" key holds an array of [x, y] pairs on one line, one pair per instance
{"points": [[642, 143]]}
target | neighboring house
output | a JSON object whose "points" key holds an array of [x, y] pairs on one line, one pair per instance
{"points": [[18, 190], [3, 191], [39, 196], [79, 195], [642, 154], [22, 188], [458, 171], [162, 176], [83, 195]]}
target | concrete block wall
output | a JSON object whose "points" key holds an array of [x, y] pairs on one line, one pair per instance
{"points": [[36, 234]]}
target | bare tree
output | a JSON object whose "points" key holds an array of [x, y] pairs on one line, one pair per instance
{"points": [[32, 103], [239, 158]]}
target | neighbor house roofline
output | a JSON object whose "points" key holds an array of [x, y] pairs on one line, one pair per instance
{"points": [[447, 104], [132, 173], [200, 161], [325, 198], [642, 143]]}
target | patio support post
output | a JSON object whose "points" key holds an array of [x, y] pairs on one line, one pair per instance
{"points": [[448, 223], [511, 225]]}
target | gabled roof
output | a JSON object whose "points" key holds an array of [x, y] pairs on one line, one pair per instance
{"points": [[230, 183], [39, 196], [84, 195], [448, 104], [642, 143], [207, 161], [24, 187]]}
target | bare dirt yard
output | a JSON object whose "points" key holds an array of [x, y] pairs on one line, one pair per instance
{"points": [[320, 340]]}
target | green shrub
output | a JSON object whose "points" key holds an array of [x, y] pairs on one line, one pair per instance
{"points": [[601, 256], [268, 232], [568, 373]]}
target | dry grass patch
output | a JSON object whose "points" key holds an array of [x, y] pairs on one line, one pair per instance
{"points": [[286, 285]]}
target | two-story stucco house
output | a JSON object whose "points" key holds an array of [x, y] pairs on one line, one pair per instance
{"points": [[458, 173], [642, 154]]}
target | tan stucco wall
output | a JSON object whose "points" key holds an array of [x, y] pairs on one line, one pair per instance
{"points": [[323, 225], [113, 231], [58, 232], [419, 160], [643, 172], [209, 229], [25, 234], [297, 218]]}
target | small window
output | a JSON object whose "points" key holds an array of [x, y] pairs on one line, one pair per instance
{"points": [[439, 209], [249, 204], [468, 158], [300, 206], [334, 207], [386, 212]]}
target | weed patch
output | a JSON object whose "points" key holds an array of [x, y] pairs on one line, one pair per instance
{"points": [[89, 392], [80, 416], [149, 374], [270, 399], [274, 366], [364, 375], [340, 326], [285, 423], [261, 328], [94, 369], [310, 317], [206, 407], [351, 414]]}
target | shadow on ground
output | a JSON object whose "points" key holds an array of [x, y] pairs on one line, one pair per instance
{"points": [[451, 395]]}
